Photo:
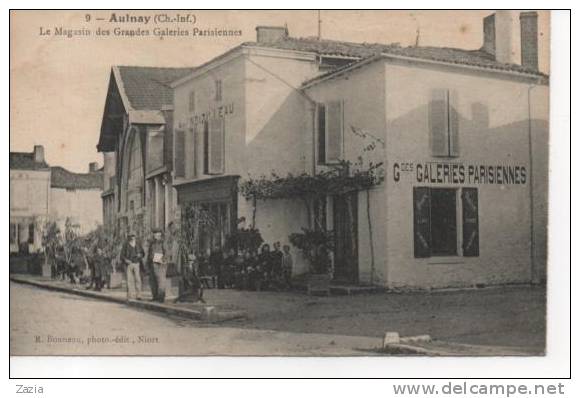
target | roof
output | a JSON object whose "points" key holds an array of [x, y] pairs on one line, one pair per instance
{"points": [[25, 161], [335, 48], [147, 88], [62, 178], [362, 51]]}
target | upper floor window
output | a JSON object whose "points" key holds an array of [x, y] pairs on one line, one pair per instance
{"points": [[214, 146], [155, 147], [330, 132], [444, 123], [134, 170], [218, 90]]}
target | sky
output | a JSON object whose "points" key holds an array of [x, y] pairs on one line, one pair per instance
{"points": [[59, 84]]}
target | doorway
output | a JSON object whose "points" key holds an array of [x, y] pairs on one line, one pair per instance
{"points": [[345, 217]]}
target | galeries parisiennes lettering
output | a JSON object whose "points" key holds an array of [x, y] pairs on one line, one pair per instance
{"points": [[459, 173]]}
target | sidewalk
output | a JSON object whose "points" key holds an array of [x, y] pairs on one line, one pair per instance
{"points": [[196, 311]]}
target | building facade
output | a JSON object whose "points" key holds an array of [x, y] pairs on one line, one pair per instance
{"points": [[136, 141], [40, 193], [462, 137], [76, 197], [29, 199]]}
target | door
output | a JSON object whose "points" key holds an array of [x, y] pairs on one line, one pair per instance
{"points": [[345, 216]]}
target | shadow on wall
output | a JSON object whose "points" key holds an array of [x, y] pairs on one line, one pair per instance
{"points": [[280, 145]]}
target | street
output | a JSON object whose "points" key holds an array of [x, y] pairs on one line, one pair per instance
{"points": [[50, 323], [284, 323]]}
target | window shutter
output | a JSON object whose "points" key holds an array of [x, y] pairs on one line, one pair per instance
{"points": [[216, 146], [438, 122], [453, 124], [470, 222], [334, 131], [422, 221], [179, 153], [192, 102], [190, 157], [321, 129]]}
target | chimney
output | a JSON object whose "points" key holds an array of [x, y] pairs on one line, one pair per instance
{"points": [[38, 153], [505, 40], [489, 34], [271, 34], [529, 39], [93, 167]]}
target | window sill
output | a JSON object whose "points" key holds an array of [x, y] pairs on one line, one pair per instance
{"points": [[446, 260]]}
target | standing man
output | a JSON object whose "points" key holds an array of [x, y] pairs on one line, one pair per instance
{"points": [[156, 257], [131, 257]]}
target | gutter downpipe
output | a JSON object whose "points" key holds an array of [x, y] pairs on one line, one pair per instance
{"points": [[534, 273]]}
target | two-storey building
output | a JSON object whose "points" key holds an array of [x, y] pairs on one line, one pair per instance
{"points": [[461, 134]]}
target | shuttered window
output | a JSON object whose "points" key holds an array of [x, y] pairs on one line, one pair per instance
{"points": [[435, 222], [321, 129], [191, 105], [334, 132], [470, 222], [444, 123], [179, 153], [216, 161], [422, 221], [218, 90], [191, 153], [330, 132]]}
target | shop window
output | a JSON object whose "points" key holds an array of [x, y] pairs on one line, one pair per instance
{"points": [[330, 132], [443, 222], [435, 222], [444, 123]]}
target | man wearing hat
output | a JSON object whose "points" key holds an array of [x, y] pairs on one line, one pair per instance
{"points": [[131, 257], [156, 258]]}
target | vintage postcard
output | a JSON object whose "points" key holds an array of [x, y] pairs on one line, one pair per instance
{"points": [[279, 183]]}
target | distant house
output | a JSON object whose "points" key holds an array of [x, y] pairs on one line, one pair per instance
{"points": [[40, 193], [76, 196], [29, 199]]}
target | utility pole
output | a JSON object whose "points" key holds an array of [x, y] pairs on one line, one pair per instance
{"points": [[319, 26]]}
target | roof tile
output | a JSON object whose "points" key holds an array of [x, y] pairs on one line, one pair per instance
{"points": [[62, 178], [147, 88]]}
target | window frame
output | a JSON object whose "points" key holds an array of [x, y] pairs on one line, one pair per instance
{"points": [[460, 222], [322, 140]]}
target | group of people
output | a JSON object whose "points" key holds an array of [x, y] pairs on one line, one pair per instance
{"points": [[84, 265], [247, 269], [133, 258]]}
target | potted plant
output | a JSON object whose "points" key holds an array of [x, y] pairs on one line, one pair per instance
{"points": [[316, 247]]}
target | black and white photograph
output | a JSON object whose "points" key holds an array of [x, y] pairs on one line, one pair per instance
{"points": [[279, 183]]}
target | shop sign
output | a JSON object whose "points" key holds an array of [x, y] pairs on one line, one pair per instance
{"points": [[218, 112], [460, 173]]}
